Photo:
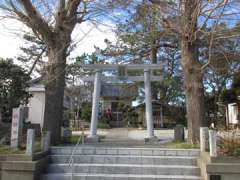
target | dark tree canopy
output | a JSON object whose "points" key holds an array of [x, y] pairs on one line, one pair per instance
{"points": [[13, 83]]}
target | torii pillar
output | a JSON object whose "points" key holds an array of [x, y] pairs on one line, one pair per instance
{"points": [[148, 102], [93, 137]]}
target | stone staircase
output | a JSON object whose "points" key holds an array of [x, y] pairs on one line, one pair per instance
{"points": [[122, 163]]}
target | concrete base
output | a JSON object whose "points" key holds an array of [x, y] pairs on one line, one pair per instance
{"points": [[23, 168], [92, 139], [227, 168], [151, 140]]}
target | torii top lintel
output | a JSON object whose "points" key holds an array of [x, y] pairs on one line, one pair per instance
{"points": [[102, 67], [127, 66]]}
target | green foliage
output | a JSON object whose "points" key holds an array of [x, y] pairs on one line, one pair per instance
{"points": [[32, 53], [237, 152], [103, 122], [7, 150], [75, 70], [129, 114], [67, 116], [13, 83], [231, 95], [103, 125], [86, 112]]}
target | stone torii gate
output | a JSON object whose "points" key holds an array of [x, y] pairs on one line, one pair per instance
{"points": [[147, 78]]}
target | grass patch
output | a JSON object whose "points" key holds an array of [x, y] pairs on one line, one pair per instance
{"points": [[103, 125], [181, 145], [75, 139], [5, 150]]}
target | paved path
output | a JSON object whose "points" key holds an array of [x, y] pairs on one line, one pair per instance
{"points": [[131, 135]]}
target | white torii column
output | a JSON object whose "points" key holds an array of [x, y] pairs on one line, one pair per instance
{"points": [[95, 106], [148, 102]]}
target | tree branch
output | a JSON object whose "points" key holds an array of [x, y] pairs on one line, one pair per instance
{"points": [[72, 7], [36, 60], [36, 21]]}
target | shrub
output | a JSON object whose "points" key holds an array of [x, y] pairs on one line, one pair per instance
{"points": [[229, 143]]}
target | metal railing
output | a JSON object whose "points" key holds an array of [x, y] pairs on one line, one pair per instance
{"points": [[71, 158]]}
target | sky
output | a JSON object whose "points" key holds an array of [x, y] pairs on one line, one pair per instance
{"points": [[86, 35]]}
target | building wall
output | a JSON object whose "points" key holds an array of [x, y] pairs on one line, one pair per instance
{"points": [[233, 113], [36, 108]]}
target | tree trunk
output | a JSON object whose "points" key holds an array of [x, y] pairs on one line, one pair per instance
{"points": [[153, 52], [193, 90], [54, 90], [153, 57]]}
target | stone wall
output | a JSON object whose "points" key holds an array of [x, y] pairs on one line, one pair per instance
{"points": [[2, 159], [22, 167], [228, 168]]}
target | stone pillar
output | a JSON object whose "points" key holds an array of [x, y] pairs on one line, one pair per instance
{"points": [[148, 102], [213, 143], [95, 105], [30, 142], [161, 115], [17, 125], [179, 134], [204, 139], [45, 143]]}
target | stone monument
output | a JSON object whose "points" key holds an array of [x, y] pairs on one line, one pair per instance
{"points": [[17, 126], [179, 134]]}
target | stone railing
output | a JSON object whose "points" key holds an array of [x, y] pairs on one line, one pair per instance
{"points": [[212, 163], [208, 141], [28, 165], [219, 142], [30, 145]]}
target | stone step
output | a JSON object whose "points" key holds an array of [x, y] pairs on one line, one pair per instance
{"points": [[124, 151], [125, 169], [78, 176], [125, 159]]}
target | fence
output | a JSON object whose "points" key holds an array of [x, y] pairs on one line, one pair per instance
{"points": [[220, 143], [32, 144], [229, 142]]}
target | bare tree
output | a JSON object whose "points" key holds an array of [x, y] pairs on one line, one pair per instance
{"points": [[53, 22], [191, 20]]}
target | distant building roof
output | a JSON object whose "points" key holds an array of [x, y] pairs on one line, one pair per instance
{"points": [[36, 85]]}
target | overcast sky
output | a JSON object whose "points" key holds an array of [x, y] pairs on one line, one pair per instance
{"points": [[87, 35]]}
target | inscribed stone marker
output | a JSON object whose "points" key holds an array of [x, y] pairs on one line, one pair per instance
{"points": [[17, 124]]}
